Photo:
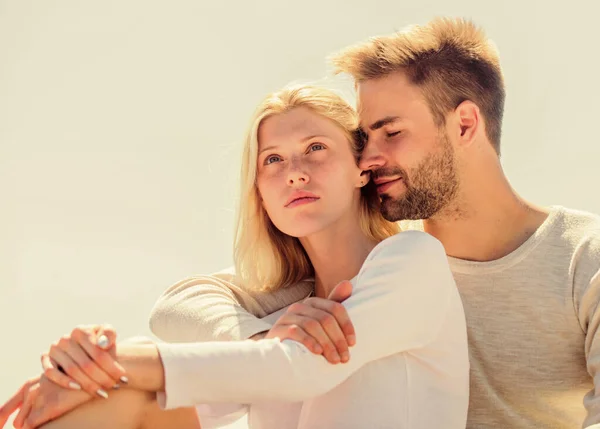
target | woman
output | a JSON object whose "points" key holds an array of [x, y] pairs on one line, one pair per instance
{"points": [[307, 213]]}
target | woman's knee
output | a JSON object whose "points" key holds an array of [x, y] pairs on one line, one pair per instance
{"points": [[123, 409], [179, 418]]}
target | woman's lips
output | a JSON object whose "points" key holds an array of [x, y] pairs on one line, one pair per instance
{"points": [[302, 201]]}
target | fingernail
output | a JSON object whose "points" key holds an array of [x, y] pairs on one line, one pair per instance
{"points": [[116, 387], [351, 339], [336, 358], [102, 393], [124, 379], [74, 385], [102, 341], [318, 349], [345, 357]]}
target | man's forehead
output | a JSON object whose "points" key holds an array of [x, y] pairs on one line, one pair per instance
{"points": [[380, 105], [373, 104], [375, 115]]}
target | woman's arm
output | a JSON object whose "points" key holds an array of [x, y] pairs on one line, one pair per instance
{"points": [[399, 303], [216, 308]]}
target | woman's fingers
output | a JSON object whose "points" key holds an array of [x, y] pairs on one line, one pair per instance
{"points": [[330, 326], [285, 329], [15, 401], [102, 358], [106, 337], [54, 374], [303, 324], [78, 365], [295, 332], [340, 314], [29, 397], [51, 402], [336, 340]]}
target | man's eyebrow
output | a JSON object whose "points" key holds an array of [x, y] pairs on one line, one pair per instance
{"points": [[382, 122]]}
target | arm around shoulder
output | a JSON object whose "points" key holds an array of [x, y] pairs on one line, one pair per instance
{"points": [[399, 303], [216, 308]]}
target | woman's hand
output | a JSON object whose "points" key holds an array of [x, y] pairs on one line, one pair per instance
{"points": [[43, 400], [40, 401], [15, 402], [85, 359], [321, 325]]}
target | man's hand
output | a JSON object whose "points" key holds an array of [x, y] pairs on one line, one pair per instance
{"points": [[322, 325]]}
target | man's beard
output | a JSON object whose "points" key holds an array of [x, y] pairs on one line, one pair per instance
{"points": [[430, 186]]}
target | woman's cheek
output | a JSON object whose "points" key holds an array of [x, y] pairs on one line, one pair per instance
{"points": [[319, 167], [269, 188]]}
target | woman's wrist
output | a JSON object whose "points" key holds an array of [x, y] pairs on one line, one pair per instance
{"points": [[143, 366]]}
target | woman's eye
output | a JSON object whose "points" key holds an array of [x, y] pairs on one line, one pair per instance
{"points": [[317, 146], [393, 134], [271, 159]]}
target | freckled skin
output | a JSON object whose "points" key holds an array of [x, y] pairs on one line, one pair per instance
{"points": [[302, 150]]}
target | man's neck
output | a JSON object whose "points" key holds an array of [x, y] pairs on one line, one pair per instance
{"points": [[486, 223], [337, 254]]}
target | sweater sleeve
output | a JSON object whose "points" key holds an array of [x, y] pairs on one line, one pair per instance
{"points": [[590, 320], [399, 303], [216, 308]]}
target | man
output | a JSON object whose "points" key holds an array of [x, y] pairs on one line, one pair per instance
{"points": [[431, 101]]}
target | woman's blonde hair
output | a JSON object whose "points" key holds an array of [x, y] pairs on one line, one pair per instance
{"points": [[265, 258]]}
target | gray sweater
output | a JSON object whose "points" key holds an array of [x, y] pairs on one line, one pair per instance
{"points": [[532, 318]]}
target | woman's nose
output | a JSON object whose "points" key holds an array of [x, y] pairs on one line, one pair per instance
{"points": [[297, 177]]}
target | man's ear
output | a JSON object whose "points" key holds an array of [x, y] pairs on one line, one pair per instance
{"points": [[467, 122]]}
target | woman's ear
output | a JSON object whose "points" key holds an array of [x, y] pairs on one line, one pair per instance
{"points": [[364, 178], [259, 196]]}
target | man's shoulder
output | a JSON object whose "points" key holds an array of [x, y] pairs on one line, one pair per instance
{"points": [[579, 232], [581, 218], [578, 226]]}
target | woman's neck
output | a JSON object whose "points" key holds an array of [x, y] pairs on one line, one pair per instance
{"points": [[337, 253]]}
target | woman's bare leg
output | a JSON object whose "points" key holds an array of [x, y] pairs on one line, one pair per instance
{"points": [[126, 409]]}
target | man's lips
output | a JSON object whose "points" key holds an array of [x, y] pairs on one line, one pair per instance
{"points": [[384, 184]]}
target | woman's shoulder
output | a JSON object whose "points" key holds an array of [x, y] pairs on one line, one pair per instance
{"points": [[416, 243], [409, 254], [410, 264]]}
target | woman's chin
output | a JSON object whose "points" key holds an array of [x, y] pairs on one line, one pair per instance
{"points": [[299, 230]]}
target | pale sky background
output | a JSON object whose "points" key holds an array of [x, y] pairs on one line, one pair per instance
{"points": [[121, 123]]}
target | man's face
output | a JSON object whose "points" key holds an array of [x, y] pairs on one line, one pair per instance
{"points": [[410, 157]]}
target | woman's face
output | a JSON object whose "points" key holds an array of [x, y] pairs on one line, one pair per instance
{"points": [[306, 174]]}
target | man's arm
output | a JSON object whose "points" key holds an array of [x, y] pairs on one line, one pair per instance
{"points": [[216, 308], [589, 315], [405, 282]]}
